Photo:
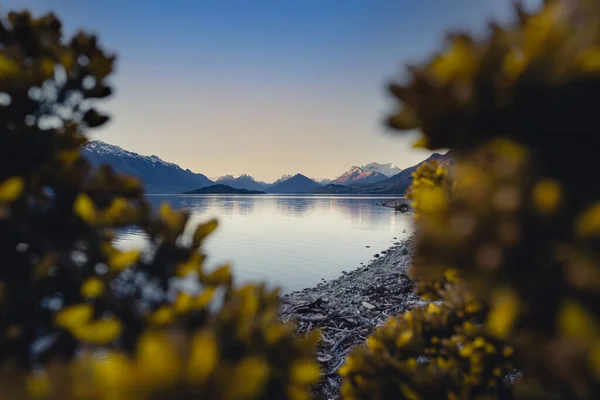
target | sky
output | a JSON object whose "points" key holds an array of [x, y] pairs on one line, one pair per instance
{"points": [[264, 87]]}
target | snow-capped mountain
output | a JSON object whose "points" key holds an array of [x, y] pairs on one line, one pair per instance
{"points": [[358, 175], [159, 176], [388, 169], [322, 182], [242, 182], [283, 178]]}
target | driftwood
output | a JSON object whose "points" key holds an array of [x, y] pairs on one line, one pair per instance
{"points": [[347, 309]]}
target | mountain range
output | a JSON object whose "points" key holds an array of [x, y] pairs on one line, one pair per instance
{"points": [[296, 184], [242, 182], [358, 175], [396, 184], [164, 177], [385, 169], [158, 176]]}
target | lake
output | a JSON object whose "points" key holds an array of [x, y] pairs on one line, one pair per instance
{"points": [[288, 241]]}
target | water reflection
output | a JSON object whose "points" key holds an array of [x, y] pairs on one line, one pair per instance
{"points": [[288, 241]]}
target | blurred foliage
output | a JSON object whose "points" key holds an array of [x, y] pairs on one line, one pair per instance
{"points": [[81, 318], [511, 243]]}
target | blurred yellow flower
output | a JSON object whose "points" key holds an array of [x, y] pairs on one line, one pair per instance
{"points": [[546, 195], [74, 316], [85, 209], [505, 307], [203, 358], [92, 287], [11, 189]]}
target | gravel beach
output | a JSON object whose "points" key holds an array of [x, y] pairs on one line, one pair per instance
{"points": [[348, 308]]}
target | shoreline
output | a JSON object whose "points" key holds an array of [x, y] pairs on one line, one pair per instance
{"points": [[348, 308]]}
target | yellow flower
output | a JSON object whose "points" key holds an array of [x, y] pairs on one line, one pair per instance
{"points": [[508, 351], [478, 342], [175, 220], [47, 67], [74, 316], [420, 143], [84, 208], [68, 157], [194, 264], [588, 223], [248, 379], [156, 360], [220, 276], [183, 303], [117, 208], [163, 316], [92, 287], [204, 356], [305, 372], [203, 230], [204, 299], [577, 323], [274, 332], [408, 392], [373, 344], [466, 351], [546, 195], [102, 331], [38, 385], [458, 61], [590, 60], [7, 67], [594, 359], [123, 259], [404, 338], [433, 308], [11, 189], [505, 307], [113, 372]]}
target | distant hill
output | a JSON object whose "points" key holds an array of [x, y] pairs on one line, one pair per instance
{"points": [[222, 189], [358, 175], [296, 184], [158, 176], [388, 169], [242, 182]]}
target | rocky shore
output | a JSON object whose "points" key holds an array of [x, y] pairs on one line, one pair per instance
{"points": [[402, 205], [348, 308]]}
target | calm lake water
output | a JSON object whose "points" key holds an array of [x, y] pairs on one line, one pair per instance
{"points": [[289, 241]]}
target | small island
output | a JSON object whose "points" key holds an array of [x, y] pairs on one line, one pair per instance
{"points": [[222, 189]]}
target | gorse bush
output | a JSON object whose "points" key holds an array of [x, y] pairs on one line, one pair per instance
{"points": [[511, 243], [81, 319]]}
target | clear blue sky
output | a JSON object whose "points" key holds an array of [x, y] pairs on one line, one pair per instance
{"points": [[264, 87]]}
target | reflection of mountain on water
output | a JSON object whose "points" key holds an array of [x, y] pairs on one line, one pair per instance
{"points": [[289, 241], [218, 205], [295, 206], [363, 213]]}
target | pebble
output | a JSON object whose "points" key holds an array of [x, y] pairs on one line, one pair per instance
{"points": [[368, 306]]}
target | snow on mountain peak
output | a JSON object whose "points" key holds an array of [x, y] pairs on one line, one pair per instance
{"points": [[388, 169], [103, 148]]}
